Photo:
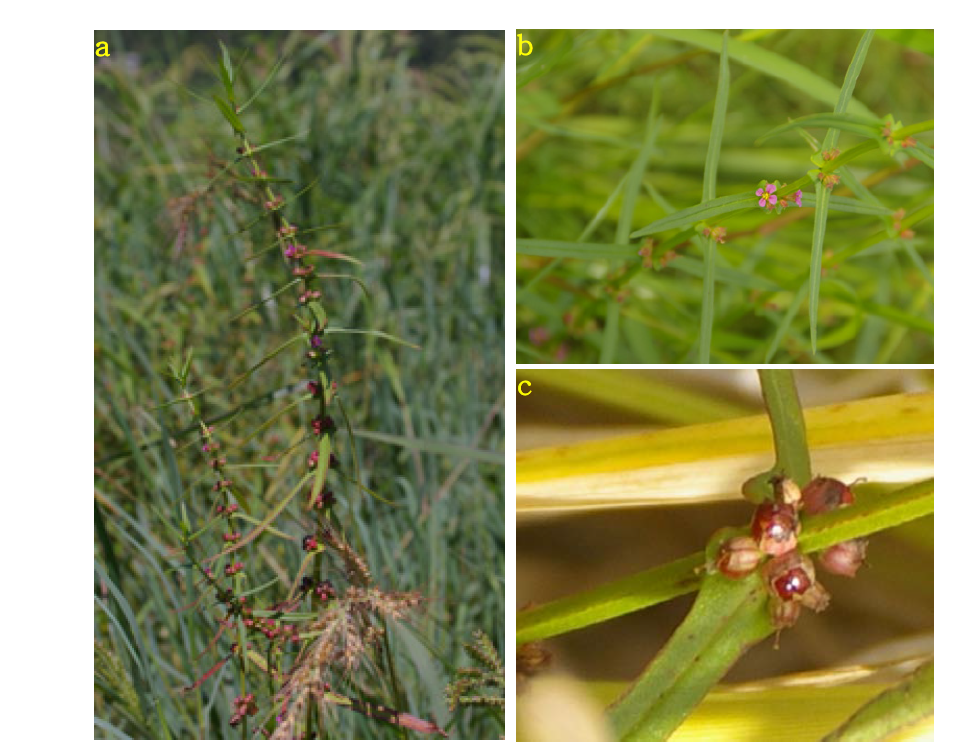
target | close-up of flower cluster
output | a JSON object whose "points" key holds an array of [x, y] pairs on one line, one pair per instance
{"points": [[789, 575]]}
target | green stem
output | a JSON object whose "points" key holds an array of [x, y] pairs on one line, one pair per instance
{"points": [[788, 424]]}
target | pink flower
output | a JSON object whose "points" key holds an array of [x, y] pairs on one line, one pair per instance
{"points": [[768, 197], [539, 336], [798, 198]]}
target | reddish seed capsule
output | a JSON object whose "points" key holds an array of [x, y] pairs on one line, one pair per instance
{"points": [[791, 584], [775, 527], [738, 557], [310, 543], [792, 578], [845, 558], [825, 494]]}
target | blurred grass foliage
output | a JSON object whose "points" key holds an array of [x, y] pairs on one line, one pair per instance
{"points": [[400, 136], [583, 119]]}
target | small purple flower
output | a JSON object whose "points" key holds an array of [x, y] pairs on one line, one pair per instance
{"points": [[290, 251], [315, 341], [798, 198], [767, 194]]}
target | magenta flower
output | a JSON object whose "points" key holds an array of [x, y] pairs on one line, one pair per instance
{"points": [[768, 197], [798, 198]]}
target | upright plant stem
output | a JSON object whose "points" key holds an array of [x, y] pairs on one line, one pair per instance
{"points": [[788, 424]]}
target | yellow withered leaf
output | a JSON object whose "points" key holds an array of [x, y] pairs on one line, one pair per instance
{"points": [[883, 439]]}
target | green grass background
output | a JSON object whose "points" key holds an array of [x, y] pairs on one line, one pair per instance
{"points": [[403, 135]]}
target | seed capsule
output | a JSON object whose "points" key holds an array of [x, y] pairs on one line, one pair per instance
{"points": [[845, 558], [825, 494], [738, 557], [791, 584], [775, 527], [792, 578]]}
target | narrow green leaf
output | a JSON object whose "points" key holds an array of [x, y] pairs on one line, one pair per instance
{"points": [[265, 359], [269, 298], [717, 126], [456, 451], [565, 249], [728, 617], [230, 115], [816, 261], [610, 338], [322, 468], [785, 323], [227, 72], [847, 204], [709, 194], [375, 333], [270, 517], [768, 63], [924, 155], [867, 126], [705, 211], [614, 599], [265, 82], [904, 706], [725, 274], [849, 83]]}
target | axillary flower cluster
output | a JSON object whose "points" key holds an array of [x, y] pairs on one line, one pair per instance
{"points": [[789, 575], [769, 200]]}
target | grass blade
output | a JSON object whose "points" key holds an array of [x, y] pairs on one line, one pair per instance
{"points": [[565, 249], [768, 63], [854, 123], [886, 716], [704, 211], [709, 193]]}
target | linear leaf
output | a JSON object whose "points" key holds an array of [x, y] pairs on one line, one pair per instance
{"points": [[230, 115], [854, 123], [768, 63], [708, 210], [846, 204], [709, 193], [727, 618], [566, 249], [884, 717]]}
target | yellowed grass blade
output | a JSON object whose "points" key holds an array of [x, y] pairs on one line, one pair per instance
{"points": [[884, 439], [798, 707]]}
